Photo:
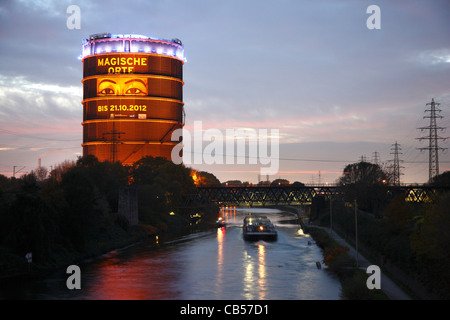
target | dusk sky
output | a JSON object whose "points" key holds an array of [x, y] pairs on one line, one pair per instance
{"points": [[335, 89]]}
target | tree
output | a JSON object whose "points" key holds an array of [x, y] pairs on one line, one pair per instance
{"points": [[364, 182], [431, 243], [80, 197], [442, 180], [108, 177], [27, 222], [145, 170], [162, 187], [363, 173], [431, 238], [60, 169], [203, 178], [298, 184], [397, 214], [31, 227], [280, 182]]}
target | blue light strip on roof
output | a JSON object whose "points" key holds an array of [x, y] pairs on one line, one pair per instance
{"points": [[131, 43]]}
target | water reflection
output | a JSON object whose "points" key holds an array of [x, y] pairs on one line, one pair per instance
{"points": [[255, 276], [261, 271], [249, 279], [220, 259], [212, 264], [130, 275], [229, 214]]}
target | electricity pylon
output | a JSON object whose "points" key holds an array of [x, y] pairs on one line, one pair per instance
{"points": [[433, 138], [396, 164]]}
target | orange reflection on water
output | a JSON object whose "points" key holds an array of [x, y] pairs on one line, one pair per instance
{"points": [[220, 245], [116, 279], [262, 271], [255, 277], [220, 258], [228, 213]]}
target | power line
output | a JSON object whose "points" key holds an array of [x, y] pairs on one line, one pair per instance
{"points": [[34, 137], [300, 159], [114, 141]]}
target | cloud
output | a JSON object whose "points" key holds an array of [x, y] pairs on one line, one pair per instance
{"points": [[30, 106], [435, 57], [310, 68]]}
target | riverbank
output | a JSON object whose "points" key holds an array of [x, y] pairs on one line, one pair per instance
{"points": [[342, 259], [15, 268], [359, 265]]}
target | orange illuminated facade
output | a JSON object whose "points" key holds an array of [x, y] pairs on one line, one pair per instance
{"points": [[132, 96]]}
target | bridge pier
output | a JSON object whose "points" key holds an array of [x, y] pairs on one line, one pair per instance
{"points": [[128, 204]]}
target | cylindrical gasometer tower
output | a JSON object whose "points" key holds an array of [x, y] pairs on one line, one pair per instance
{"points": [[132, 96]]}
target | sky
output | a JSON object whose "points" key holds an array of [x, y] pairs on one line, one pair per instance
{"points": [[336, 90]]}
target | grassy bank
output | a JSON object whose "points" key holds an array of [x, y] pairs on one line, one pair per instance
{"points": [[339, 262]]}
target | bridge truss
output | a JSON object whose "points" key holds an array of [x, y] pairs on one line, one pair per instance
{"points": [[295, 195]]}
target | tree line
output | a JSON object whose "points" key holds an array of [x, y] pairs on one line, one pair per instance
{"points": [[73, 211], [412, 236]]}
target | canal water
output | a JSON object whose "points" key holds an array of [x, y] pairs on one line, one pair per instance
{"points": [[209, 265]]}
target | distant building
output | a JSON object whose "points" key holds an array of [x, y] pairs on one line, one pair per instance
{"points": [[232, 183], [132, 96]]}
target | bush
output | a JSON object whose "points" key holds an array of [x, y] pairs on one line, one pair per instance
{"points": [[355, 288], [321, 237], [122, 222], [331, 254]]}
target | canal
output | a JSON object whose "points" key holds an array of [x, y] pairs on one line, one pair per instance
{"points": [[216, 264]]}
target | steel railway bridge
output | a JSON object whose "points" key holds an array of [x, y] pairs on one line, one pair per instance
{"points": [[295, 195]]}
